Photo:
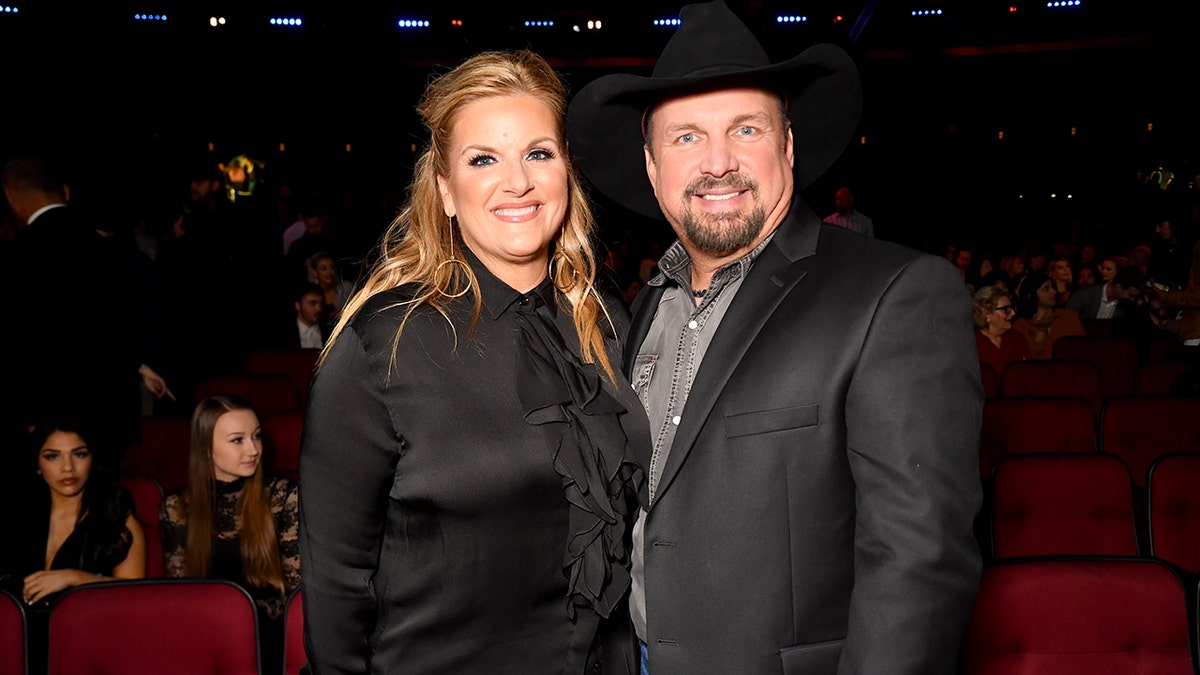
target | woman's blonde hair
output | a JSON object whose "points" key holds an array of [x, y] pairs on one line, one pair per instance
{"points": [[421, 239], [986, 300], [261, 563]]}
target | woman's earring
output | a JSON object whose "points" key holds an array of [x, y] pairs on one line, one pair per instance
{"points": [[453, 259]]}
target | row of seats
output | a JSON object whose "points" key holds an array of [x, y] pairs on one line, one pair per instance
{"points": [[178, 626], [1138, 429], [1083, 504], [1085, 615]]}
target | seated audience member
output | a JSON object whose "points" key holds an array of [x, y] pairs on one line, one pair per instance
{"points": [[76, 526], [1062, 278], [1041, 321], [1108, 268], [997, 343], [308, 331], [1087, 276], [1108, 300], [231, 521], [322, 270]]}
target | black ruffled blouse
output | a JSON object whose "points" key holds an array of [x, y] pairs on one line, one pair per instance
{"points": [[466, 504]]}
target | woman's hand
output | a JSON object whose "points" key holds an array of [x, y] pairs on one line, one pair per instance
{"points": [[47, 582], [154, 382]]}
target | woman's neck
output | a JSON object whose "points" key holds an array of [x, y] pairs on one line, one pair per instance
{"points": [[62, 506], [1043, 313]]}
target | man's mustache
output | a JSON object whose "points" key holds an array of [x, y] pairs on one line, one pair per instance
{"points": [[733, 180]]}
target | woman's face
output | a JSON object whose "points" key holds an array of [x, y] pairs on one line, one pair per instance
{"points": [[325, 271], [1060, 270], [1046, 294], [1108, 270], [507, 183], [236, 445], [1000, 318], [1086, 277], [65, 463]]}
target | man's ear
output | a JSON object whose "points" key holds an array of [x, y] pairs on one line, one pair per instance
{"points": [[447, 198], [651, 167]]}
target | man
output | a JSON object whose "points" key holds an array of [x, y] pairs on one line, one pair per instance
{"points": [[847, 217], [308, 332], [814, 395], [76, 350], [1108, 300]]}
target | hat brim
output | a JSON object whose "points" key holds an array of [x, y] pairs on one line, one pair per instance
{"points": [[604, 119]]}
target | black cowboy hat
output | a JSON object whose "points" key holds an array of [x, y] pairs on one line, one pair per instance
{"points": [[712, 49]]}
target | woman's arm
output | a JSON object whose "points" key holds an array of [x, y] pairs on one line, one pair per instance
{"points": [[172, 527], [43, 583], [287, 529], [347, 464]]}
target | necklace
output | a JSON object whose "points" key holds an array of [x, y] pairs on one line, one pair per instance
{"points": [[700, 293]]}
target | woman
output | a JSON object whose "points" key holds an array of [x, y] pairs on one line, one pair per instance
{"points": [[1062, 278], [230, 521], [998, 345], [463, 401], [1041, 321], [322, 270], [80, 526]]}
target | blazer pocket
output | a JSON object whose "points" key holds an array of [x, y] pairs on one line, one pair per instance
{"points": [[764, 421], [814, 659]]}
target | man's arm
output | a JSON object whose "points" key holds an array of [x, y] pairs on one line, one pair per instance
{"points": [[913, 417]]}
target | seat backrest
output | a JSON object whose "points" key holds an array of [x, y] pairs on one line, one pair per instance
{"points": [[298, 364], [179, 626], [281, 443], [1062, 504], [1141, 429], [1056, 378], [13, 650], [147, 498], [1116, 357], [990, 378], [162, 452], [1034, 424], [1049, 617], [294, 656], [1155, 378], [267, 392], [1174, 514]]}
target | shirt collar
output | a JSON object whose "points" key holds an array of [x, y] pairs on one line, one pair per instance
{"points": [[497, 296], [35, 214], [676, 264]]}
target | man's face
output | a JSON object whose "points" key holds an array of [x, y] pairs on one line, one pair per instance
{"points": [[314, 224], [308, 308], [721, 167], [963, 260], [1163, 230]]}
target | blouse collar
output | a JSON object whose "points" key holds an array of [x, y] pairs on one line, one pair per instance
{"points": [[498, 296]]}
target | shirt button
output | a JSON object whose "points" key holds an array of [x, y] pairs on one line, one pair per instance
{"points": [[692, 325], [524, 300], [675, 420]]}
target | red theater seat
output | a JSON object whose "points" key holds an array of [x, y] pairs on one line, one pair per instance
{"points": [[162, 452], [147, 498], [991, 379], [1052, 617], [177, 626], [281, 443], [1030, 424], [1174, 487], [298, 365], [1116, 357], [294, 656], [1067, 504], [13, 652], [267, 392], [1070, 379], [1141, 429], [1154, 378]]}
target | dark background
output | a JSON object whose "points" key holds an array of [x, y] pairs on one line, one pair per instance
{"points": [[129, 104]]}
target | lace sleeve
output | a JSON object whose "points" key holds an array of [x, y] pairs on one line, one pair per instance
{"points": [[172, 527], [285, 509]]}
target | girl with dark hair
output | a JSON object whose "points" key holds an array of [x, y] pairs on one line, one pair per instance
{"points": [[80, 528]]}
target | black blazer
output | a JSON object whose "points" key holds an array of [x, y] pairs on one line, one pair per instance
{"points": [[815, 512]]}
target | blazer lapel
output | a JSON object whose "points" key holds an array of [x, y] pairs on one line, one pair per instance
{"points": [[775, 273]]}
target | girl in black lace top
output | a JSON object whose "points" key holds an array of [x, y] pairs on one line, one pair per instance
{"points": [[230, 521]]}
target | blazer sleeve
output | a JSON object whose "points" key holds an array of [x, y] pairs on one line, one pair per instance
{"points": [[347, 462], [913, 418]]}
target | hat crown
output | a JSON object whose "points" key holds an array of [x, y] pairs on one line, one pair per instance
{"points": [[711, 40]]}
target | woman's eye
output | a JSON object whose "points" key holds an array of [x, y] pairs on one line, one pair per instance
{"points": [[541, 155], [481, 160], [82, 454], [50, 456]]}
